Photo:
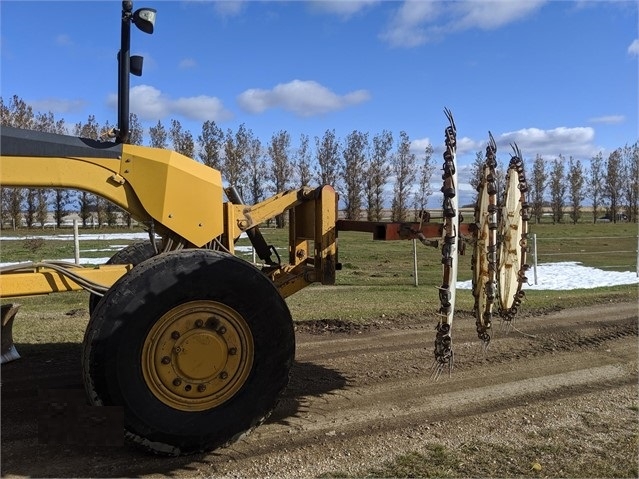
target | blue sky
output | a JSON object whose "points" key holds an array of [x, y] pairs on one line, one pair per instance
{"points": [[557, 77]]}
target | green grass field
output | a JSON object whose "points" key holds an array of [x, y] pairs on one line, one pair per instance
{"points": [[376, 281], [377, 276]]}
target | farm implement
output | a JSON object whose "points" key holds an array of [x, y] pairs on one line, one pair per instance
{"points": [[192, 342]]}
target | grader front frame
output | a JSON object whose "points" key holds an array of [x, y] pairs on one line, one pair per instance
{"points": [[194, 344], [184, 328]]}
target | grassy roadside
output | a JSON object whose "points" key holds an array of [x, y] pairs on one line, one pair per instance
{"points": [[376, 279]]}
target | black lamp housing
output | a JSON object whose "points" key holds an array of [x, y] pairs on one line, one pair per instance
{"points": [[144, 19]]}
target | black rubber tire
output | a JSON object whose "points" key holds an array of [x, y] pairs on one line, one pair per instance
{"points": [[115, 335], [133, 254]]}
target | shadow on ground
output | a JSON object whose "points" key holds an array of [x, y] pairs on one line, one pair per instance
{"points": [[37, 443]]}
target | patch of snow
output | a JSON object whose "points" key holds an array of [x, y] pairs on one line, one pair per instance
{"points": [[570, 275]]}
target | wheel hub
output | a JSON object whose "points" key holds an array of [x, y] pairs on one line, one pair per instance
{"points": [[197, 355]]}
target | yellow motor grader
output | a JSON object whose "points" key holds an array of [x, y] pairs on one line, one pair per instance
{"points": [[193, 343]]}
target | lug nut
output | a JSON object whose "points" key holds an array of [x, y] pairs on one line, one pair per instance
{"points": [[232, 351], [224, 375], [166, 360], [175, 335], [187, 388], [177, 381], [199, 323], [201, 388], [222, 330]]}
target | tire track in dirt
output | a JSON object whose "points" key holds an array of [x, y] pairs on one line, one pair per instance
{"points": [[365, 393]]}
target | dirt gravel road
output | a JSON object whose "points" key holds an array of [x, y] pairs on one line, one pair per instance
{"points": [[361, 396]]}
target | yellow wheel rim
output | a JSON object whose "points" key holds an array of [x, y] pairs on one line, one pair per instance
{"points": [[197, 355]]}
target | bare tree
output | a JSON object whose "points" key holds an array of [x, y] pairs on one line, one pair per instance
{"points": [[328, 160], [158, 136], [403, 166], [476, 172], [377, 176], [12, 205], [354, 154], [557, 190], [302, 162], [537, 187], [136, 132], [210, 142], [88, 202], [60, 201], [257, 171], [47, 122], [20, 115], [613, 183], [630, 159], [42, 209], [17, 114], [181, 139], [576, 193], [235, 164], [424, 191], [30, 207], [281, 168], [595, 184]]}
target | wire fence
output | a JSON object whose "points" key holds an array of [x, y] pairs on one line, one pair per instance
{"points": [[633, 254]]}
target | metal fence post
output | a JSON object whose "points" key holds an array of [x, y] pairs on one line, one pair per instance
{"points": [[535, 256], [415, 262], [76, 241]]}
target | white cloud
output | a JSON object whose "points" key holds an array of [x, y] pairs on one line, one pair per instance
{"points": [[304, 98], [63, 40], [419, 145], [341, 8], [229, 8], [149, 103], [201, 107], [406, 28], [487, 15], [414, 22], [633, 49], [186, 63], [609, 119], [576, 142], [466, 145], [58, 105]]}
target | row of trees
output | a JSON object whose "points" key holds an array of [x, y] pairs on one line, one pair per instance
{"points": [[361, 167], [610, 184]]}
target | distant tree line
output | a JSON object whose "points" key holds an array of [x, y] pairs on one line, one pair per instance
{"points": [[360, 167], [364, 169], [611, 185], [561, 186]]}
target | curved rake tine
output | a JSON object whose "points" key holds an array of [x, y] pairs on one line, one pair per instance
{"points": [[491, 142], [438, 367], [451, 120], [516, 150]]}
